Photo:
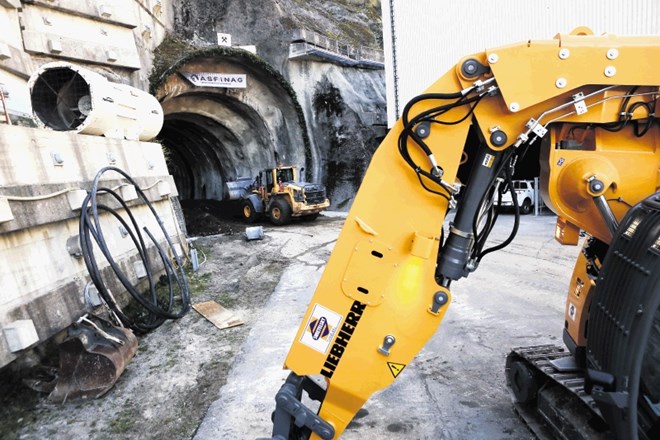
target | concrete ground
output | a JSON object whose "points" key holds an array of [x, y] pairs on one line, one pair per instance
{"points": [[455, 389], [192, 380]]}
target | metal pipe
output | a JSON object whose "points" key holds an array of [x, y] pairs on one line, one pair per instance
{"points": [[66, 97], [606, 213]]}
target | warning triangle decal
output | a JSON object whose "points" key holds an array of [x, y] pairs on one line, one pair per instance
{"points": [[396, 368]]}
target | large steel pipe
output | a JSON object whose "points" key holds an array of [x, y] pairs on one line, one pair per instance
{"points": [[66, 97]]}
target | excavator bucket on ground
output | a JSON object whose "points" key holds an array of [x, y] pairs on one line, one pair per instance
{"points": [[92, 357]]}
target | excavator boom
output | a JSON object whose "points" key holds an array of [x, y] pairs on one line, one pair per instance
{"points": [[586, 101]]}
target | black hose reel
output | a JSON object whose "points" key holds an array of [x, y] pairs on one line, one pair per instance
{"points": [[147, 310]]}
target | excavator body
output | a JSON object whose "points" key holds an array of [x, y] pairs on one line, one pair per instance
{"points": [[588, 102]]}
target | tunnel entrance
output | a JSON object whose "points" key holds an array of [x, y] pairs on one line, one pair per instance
{"points": [[226, 114]]}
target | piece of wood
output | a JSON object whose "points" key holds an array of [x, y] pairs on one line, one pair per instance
{"points": [[218, 315]]}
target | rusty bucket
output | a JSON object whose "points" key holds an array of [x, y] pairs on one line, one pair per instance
{"points": [[92, 357]]}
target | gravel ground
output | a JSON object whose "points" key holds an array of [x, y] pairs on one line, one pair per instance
{"points": [[453, 390], [180, 367]]}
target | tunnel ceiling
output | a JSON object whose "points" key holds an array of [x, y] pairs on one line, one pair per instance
{"points": [[217, 134]]}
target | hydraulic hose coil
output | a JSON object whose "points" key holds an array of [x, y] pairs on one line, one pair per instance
{"points": [[153, 308]]}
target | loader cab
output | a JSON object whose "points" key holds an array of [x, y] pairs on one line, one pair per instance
{"points": [[272, 176], [266, 178], [286, 174]]}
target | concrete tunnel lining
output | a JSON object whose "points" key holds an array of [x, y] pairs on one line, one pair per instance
{"points": [[196, 161], [214, 150], [213, 135]]}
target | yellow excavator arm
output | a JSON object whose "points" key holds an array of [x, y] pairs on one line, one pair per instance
{"points": [[586, 101]]}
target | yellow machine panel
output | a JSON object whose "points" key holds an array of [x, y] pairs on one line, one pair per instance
{"points": [[587, 101]]}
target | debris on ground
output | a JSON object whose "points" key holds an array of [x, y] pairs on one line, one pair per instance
{"points": [[180, 367], [218, 315]]}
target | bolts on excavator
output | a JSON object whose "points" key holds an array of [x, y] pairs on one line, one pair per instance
{"points": [[472, 68], [439, 299], [423, 129], [498, 138], [388, 342]]}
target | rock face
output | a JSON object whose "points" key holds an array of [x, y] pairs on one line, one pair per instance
{"points": [[344, 109], [331, 124], [218, 134], [268, 24]]}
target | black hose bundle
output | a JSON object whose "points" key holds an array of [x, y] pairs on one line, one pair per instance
{"points": [[431, 116], [153, 308], [492, 216]]}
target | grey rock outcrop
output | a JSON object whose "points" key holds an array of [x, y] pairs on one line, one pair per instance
{"points": [[343, 106]]}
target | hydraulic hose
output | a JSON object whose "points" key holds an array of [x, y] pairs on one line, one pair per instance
{"points": [[152, 309]]}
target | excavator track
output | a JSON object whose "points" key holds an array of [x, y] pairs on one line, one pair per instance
{"points": [[621, 353], [548, 394]]}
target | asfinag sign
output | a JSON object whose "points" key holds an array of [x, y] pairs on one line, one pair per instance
{"points": [[209, 79]]}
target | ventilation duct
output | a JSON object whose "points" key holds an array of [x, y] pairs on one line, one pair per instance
{"points": [[66, 97]]}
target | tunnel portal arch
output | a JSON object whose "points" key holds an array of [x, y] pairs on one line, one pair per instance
{"points": [[217, 134]]}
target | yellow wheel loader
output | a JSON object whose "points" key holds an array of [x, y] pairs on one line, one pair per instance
{"points": [[279, 194], [589, 104]]}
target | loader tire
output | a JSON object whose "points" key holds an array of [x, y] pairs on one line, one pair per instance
{"points": [[248, 212], [280, 213]]}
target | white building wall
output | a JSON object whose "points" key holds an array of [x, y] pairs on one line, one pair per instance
{"points": [[431, 36]]}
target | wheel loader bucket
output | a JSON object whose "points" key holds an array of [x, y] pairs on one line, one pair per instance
{"points": [[92, 358]]}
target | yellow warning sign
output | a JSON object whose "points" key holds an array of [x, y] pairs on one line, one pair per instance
{"points": [[396, 368]]}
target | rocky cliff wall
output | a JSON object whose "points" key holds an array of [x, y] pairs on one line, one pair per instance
{"points": [[269, 24], [343, 108], [343, 105]]}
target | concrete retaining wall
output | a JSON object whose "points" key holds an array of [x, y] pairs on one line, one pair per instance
{"points": [[43, 175], [116, 38]]}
